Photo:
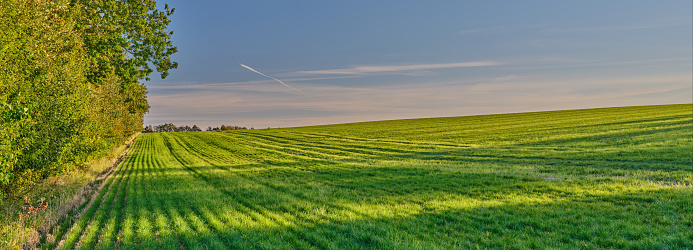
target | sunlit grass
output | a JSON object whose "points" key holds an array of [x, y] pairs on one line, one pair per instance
{"points": [[599, 178]]}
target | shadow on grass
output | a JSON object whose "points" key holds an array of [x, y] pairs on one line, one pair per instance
{"points": [[430, 211], [421, 197], [564, 152]]}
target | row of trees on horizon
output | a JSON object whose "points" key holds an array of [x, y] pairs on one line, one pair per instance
{"points": [[170, 127]]}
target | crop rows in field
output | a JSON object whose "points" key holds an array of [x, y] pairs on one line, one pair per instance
{"points": [[591, 178]]}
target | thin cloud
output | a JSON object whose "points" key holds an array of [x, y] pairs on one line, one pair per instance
{"points": [[336, 104], [253, 70], [574, 63], [503, 29], [469, 31], [239, 85], [654, 24], [605, 28], [365, 70]]}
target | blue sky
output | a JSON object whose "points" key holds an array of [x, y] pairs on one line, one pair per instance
{"points": [[350, 61]]}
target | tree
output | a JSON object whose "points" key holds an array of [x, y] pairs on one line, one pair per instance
{"points": [[123, 38], [44, 100], [230, 127], [148, 129]]}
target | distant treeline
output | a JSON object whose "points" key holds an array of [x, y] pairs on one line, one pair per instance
{"points": [[170, 127], [70, 90]]}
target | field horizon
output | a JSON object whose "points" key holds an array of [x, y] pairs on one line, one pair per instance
{"points": [[489, 114], [590, 178]]}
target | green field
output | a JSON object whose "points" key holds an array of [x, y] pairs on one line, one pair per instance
{"points": [[596, 178]]}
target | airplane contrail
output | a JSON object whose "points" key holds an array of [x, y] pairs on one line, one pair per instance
{"points": [[253, 70]]}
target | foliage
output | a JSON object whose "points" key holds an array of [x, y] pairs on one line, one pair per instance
{"points": [[69, 87], [225, 127], [229, 127], [136, 28], [170, 127], [62, 193], [598, 178], [123, 38]]}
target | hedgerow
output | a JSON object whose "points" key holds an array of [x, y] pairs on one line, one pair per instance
{"points": [[69, 82]]}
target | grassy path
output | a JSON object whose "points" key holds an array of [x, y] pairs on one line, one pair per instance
{"points": [[599, 178]]}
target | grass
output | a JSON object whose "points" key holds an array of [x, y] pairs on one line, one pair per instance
{"points": [[596, 178], [65, 195]]}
